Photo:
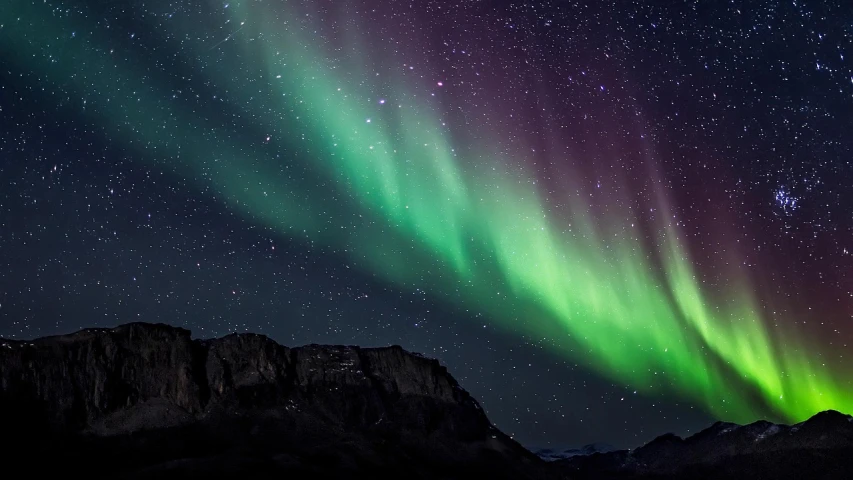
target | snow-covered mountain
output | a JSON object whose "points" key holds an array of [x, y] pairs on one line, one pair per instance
{"points": [[551, 454]]}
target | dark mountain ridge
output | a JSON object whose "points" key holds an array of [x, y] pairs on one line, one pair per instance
{"points": [[161, 403], [820, 447], [144, 400]]}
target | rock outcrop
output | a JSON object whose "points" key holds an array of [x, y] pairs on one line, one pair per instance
{"points": [[145, 400]]}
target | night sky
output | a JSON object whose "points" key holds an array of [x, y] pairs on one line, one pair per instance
{"points": [[609, 220]]}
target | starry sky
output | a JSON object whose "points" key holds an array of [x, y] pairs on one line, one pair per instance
{"points": [[610, 220]]}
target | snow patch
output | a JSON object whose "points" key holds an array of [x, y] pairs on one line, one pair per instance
{"points": [[771, 430]]}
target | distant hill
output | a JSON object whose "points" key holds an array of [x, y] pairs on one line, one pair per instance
{"points": [[550, 454], [819, 448]]}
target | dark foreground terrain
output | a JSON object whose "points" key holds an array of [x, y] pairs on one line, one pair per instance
{"points": [[148, 401], [145, 401]]}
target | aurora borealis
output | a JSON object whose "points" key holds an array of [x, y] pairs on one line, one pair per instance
{"points": [[471, 153]]}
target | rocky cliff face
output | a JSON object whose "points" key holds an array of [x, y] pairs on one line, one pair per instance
{"points": [[160, 402]]}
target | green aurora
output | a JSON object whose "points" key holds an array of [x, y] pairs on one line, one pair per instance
{"points": [[401, 200]]}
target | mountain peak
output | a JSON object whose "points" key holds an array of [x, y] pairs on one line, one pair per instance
{"points": [[134, 382], [819, 447], [830, 417]]}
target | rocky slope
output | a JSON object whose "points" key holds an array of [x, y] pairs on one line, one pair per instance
{"points": [[819, 448], [148, 401], [144, 400]]}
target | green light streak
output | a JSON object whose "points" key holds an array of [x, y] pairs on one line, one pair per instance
{"points": [[395, 196]]}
